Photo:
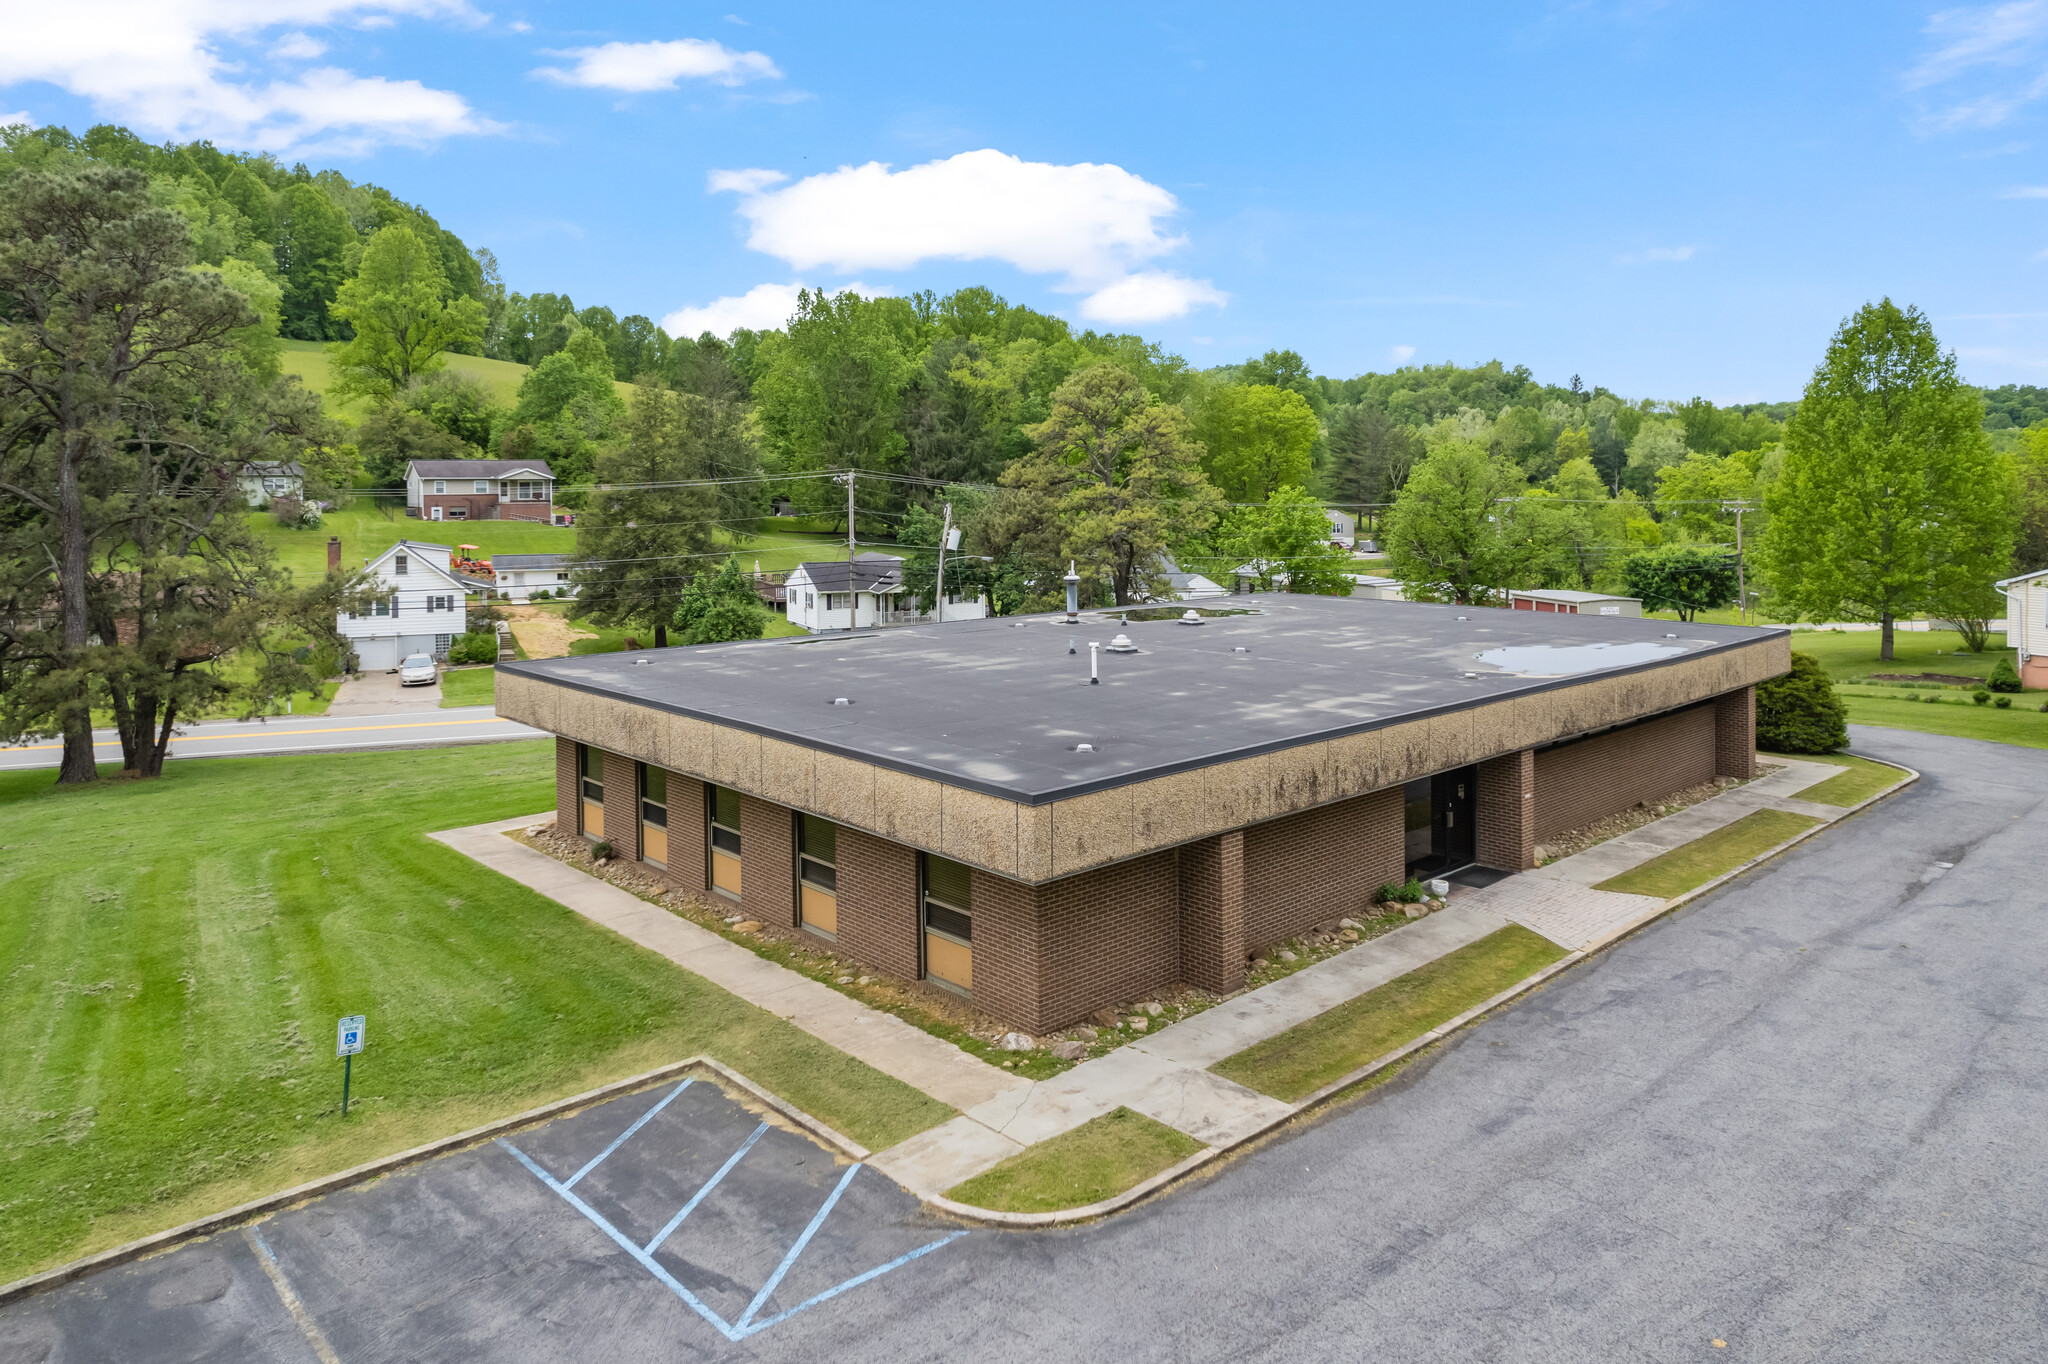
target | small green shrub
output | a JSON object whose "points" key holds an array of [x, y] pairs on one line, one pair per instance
{"points": [[2003, 703], [1799, 712], [1980, 696], [1408, 893], [540, 594], [479, 646], [2004, 677], [600, 850]]}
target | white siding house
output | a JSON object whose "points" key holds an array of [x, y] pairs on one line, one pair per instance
{"points": [[420, 612], [843, 596], [519, 576], [2026, 626], [263, 481]]}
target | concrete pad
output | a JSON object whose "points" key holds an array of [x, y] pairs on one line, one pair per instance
{"points": [[379, 694], [1209, 1108], [940, 1157], [1570, 915], [883, 1041], [1230, 1027]]}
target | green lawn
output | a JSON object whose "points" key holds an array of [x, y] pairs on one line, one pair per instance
{"points": [[1099, 1159], [177, 952], [1700, 861], [500, 378], [1850, 655], [1860, 779], [1952, 713], [469, 687], [1331, 1045]]}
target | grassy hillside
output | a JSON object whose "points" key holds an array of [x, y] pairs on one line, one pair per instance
{"points": [[500, 378], [366, 531]]}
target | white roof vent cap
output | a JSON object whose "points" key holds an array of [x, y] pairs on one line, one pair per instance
{"points": [[1122, 645], [1191, 617], [842, 700]]}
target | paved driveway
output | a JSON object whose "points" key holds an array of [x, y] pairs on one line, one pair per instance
{"points": [[378, 693], [1807, 1117]]}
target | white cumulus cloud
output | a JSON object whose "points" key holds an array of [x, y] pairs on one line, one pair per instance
{"points": [[9, 120], [765, 307], [170, 66], [639, 67], [1098, 227], [298, 47], [1403, 354]]}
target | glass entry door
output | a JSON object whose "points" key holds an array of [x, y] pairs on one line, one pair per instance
{"points": [[817, 879], [1441, 831], [948, 914]]}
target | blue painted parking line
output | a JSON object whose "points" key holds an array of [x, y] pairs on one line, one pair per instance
{"points": [[644, 1255]]}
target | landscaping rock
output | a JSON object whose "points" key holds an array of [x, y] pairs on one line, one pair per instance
{"points": [[846, 980], [1349, 935], [1260, 963], [1070, 1051], [1288, 956], [1137, 1023], [1542, 853], [865, 980], [1328, 926], [734, 918], [1152, 1010], [1347, 923], [1016, 1041], [1086, 1033], [747, 926], [1104, 1017], [1414, 911]]}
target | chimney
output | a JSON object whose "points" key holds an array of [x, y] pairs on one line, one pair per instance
{"points": [[334, 554]]}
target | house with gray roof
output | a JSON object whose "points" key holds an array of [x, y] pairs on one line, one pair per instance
{"points": [[481, 490]]}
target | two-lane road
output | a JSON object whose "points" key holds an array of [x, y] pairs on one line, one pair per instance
{"points": [[300, 734]]}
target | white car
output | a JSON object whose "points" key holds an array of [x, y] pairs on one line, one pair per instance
{"points": [[418, 670]]}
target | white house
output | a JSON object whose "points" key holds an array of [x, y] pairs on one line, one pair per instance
{"points": [[1184, 586], [1343, 527], [420, 610], [845, 596], [1570, 603], [2026, 626], [519, 576], [264, 480]]}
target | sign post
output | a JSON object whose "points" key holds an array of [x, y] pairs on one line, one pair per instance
{"points": [[348, 1040]]}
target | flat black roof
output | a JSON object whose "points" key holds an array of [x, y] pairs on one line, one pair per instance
{"points": [[999, 705]]}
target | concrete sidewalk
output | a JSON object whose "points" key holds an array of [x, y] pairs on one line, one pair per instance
{"points": [[1164, 1075]]}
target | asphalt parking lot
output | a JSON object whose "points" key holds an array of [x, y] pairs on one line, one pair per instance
{"points": [[668, 1222]]}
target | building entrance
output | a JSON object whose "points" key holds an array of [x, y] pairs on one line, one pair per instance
{"points": [[1439, 820]]}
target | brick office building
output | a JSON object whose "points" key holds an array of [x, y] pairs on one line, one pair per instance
{"points": [[959, 803]]}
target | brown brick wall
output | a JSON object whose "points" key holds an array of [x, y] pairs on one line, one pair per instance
{"points": [[878, 902], [621, 802], [1320, 864], [565, 785], [1212, 908], [1105, 936], [688, 834], [1009, 949], [1735, 734], [1507, 812], [767, 862], [1580, 782]]}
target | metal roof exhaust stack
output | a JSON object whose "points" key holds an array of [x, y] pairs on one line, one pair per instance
{"points": [[1094, 659], [1122, 645], [1191, 617], [1073, 581]]}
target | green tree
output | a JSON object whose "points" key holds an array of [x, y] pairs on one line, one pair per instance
{"points": [[1461, 530], [720, 607], [1687, 579], [1890, 491], [1693, 494], [1370, 455], [1117, 476], [829, 396], [392, 437], [2030, 552], [1798, 712], [404, 320], [641, 538], [1257, 438], [313, 239], [1289, 536]]}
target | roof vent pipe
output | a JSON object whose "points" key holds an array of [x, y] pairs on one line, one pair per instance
{"points": [[1094, 657], [1122, 645], [1191, 617], [1073, 581]]}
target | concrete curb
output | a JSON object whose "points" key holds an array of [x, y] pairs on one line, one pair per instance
{"points": [[1437, 1034], [227, 1218]]}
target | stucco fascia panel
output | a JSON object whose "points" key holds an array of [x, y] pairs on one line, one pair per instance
{"points": [[787, 773], [843, 790], [1358, 764], [735, 759], [1172, 809], [689, 746], [1090, 830], [1511, 724], [1302, 777], [908, 809], [1405, 752], [978, 829], [1034, 842], [527, 701], [1239, 793]]}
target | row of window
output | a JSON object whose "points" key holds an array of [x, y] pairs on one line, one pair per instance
{"points": [[382, 607], [518, 489], [945, 887]]}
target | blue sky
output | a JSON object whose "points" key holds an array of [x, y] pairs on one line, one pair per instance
{"points": [[1666, 198]]}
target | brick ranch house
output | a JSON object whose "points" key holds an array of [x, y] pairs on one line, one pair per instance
{"points": [[480, 490], [957, 803]]}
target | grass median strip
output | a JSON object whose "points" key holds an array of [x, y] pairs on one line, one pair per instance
{"points": [[1700, 861], [1860, 779], [1331, 1045], [177, 952], [1099, 1159]]}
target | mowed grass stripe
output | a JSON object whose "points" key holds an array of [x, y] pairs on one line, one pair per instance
{"points": [[1858, 781], [1300, 1061], [1694, 864], [1099, 1159], [175, 954]]}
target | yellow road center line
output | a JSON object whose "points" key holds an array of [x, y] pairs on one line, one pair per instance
{"points": [[267, 733]]}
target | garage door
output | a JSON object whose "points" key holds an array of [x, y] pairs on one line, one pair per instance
{"points": [[377, 655]]}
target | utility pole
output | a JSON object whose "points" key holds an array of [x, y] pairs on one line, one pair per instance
{"points": [[849, 514], [1741, 583], [939, 581]]}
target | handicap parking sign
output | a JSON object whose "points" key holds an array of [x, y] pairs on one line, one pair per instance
{"points": [[348, 1036]]}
